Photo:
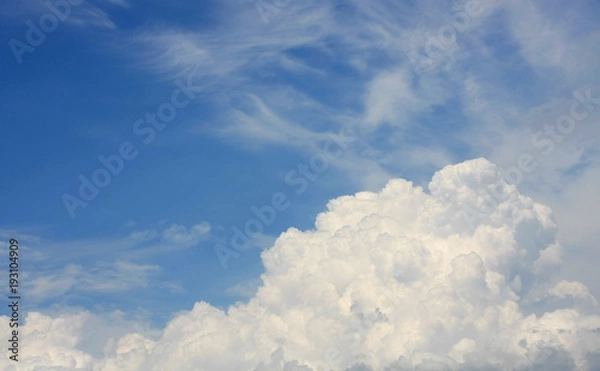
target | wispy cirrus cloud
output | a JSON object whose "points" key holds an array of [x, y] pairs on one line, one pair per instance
{"points": [[477, 111], [178, 234], [103, 265], [80, 14], [103, 277]]}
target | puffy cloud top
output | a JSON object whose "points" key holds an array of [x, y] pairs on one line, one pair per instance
{"points": [[464, 276]]}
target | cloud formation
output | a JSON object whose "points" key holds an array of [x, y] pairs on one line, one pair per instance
{"points": [[103, 277], [178, 234], [393, 280]]}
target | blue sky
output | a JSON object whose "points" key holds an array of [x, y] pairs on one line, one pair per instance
{"points": [[269, 93]]}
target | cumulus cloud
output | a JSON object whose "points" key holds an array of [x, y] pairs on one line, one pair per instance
{"points": [[389, 280]]}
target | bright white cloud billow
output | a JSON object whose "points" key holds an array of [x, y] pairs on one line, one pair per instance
{"points": [[394, 280]]}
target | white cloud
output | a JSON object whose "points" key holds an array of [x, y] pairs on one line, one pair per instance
{"points": [[84, 14], [550, 39], [180, 235], [121, 3], [89, 15], [393, 280], [70, 262], [246, 289], [142, 235], [70, 340], [103, 277], [389, 97], [174, 234]]}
